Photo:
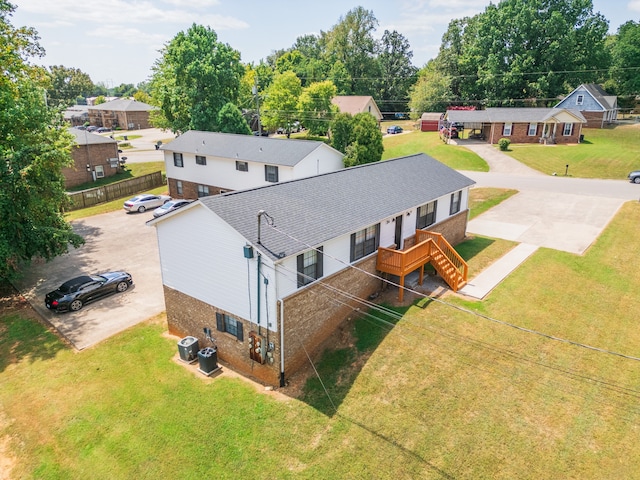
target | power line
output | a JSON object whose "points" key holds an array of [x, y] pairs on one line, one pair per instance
{"points": [[462, 309]]}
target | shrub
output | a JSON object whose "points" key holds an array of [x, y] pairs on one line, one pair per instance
{"points": [[504, 143]]}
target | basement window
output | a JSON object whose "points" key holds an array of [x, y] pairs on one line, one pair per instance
{"points": [[228, 324]]}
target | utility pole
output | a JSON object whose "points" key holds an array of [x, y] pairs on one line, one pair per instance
{"points": [[255, 92]]}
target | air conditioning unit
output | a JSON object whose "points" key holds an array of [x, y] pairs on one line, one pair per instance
{"points": [[188, 349]]}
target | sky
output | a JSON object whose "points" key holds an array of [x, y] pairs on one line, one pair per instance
{"points": [[118, 41]]}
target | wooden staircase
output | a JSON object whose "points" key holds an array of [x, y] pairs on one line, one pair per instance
{"points": [[430, 247]]}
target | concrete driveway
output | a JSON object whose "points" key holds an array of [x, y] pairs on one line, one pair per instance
{"points": [[557, 212], [114, 241]]}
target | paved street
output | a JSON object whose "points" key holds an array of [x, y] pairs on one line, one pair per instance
{"points": [[557, 212]]}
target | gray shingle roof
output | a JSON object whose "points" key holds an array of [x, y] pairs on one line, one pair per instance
{"points": [[316, 209], [598, 93], [87, 138], [123, 105], [514, 115], [274, 151]]}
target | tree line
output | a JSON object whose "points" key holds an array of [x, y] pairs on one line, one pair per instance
{"points": [[516, 52]]}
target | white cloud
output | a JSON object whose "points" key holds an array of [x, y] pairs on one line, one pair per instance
{"points": [[193, 3], [634, 5], [131, 12]]}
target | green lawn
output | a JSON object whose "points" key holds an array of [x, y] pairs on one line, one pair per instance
{"points": [[413, 142], [605, 153], [133, 170], [431, 390]]}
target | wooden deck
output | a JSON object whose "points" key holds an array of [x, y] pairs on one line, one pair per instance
{"points": [[430, 247]]}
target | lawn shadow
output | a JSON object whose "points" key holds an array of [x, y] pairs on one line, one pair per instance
{"points": [[473, 246], [23, 335], [333, 375]]}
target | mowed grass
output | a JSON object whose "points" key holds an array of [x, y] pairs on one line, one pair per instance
{"points": [[437, 389], [413, 142], [605, 153]]}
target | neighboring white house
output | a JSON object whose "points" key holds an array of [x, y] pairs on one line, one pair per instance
{"points": [[354, 104], [199, 163], [281, 265], [597, 106]]}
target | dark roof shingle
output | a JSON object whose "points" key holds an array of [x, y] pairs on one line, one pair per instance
{"points": [[316, 209]]}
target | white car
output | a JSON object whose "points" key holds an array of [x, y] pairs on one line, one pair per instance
{"points": [[143, 202]]}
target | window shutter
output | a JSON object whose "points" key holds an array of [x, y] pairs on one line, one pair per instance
{"points": [[320, 259], [266, 173], [219, 321], [353, 246], [377, 236], [240, 335], [300, 260]]}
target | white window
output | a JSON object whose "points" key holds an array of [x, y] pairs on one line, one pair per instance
{"points": [[568, 129], [533, 129], [506, 131], [179, 187], [201, 160], [579, 99], [99, 171]]}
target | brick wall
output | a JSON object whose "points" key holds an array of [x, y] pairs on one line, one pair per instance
{"points": [[594, 119], [190, 189], [312, 315], [97, 154], [519, 133]]}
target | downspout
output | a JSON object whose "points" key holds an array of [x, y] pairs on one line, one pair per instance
{"points": [[281, 343], [259, 300]]}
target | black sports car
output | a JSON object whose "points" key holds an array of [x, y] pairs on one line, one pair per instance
{"points": [[73, 294]]}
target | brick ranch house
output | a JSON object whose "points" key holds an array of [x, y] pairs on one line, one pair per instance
{"points": [[520, 125], [94, 156], [199, 163], [283, 265], [124, 113]]}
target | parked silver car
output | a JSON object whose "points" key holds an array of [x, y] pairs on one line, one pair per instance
{"points": [[143, 202], [170, 207], [634, 176]]}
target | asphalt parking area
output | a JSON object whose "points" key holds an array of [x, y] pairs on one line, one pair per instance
{"points": [[114, 241]]}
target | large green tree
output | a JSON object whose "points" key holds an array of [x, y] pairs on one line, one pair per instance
{"points": [[195, 77], [625, 51], [34, 147], [358, 137], [67, 84], [315, 107], [524, 49], [351, 41], [281, 100], [396, 72], [231, 120], [431, 93]]}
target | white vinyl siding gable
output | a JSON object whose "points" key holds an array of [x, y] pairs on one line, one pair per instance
{"points": [[191, 247]]}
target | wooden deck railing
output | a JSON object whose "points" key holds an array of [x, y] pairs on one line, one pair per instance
{"points": [[430, 247]]}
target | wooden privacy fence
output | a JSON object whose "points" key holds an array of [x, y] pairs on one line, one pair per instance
{"points": [[113, 191]]}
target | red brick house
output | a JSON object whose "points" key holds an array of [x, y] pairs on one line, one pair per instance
{"points": [[94, 157], [520, 125], [282, 266], [124, 113]]}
